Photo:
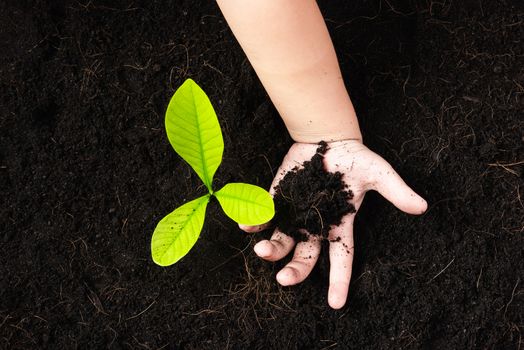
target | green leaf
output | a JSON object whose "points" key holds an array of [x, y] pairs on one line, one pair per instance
{"points": [[193, 130], [178, 232], [246, 204]]}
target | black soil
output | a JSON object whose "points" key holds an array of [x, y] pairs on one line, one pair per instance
{"points": [[86, 172], [310, 200]]}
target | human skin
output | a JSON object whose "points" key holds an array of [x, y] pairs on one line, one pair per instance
{"points": [[289, 47], [288, 44]]}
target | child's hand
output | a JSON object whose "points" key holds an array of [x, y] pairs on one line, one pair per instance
{"points": [[362, 170]]}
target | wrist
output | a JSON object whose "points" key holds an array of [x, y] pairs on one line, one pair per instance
{"points": [[317, 134], [315, 139], [322, 120]]}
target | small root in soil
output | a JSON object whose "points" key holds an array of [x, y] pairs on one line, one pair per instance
{"points": [[257, 296]]}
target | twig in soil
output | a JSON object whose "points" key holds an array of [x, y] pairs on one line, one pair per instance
{"points": [[40, 318], [137, 66], [511, 299], [518, 196], [4, 321], [147, 308], [409, 336], [478, 279], [203, 311], [182, 72], [368, 18], [320, 217], [233, 256], [145, 346], [506, 166], [206, 64], [118, 198], [95, 300], [269, 165], [398, 12], [109, 294], [444, 269], [115, 334], [330, 345], [123, 227]]}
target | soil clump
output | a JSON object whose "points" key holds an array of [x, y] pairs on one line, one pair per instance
{"points": [[309, 200]]}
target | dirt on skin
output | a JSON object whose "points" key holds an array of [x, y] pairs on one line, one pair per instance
{"points": [[86, 172], [310, 200]]}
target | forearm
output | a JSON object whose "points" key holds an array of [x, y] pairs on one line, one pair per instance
{"points": [[288, 44]]}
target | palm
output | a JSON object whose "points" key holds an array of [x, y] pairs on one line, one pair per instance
{"points": [[362, 170]]}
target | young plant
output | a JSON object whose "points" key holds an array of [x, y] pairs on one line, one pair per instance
{"points": [[194, 132]]}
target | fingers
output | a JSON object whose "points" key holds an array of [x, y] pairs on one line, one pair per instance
{"points": [[341, 249], [304, 259], [390, 185], [275, 249]]}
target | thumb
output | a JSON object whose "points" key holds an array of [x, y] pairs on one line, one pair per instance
{"points": [[391, 186]]}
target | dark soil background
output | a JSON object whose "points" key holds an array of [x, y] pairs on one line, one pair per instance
{"points": [[86, 172]]}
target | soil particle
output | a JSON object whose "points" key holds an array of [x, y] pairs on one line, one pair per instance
{"points": [[309, 200]]}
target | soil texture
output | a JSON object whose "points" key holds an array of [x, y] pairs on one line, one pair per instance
{"points": [[310, 200], [86, 172]]}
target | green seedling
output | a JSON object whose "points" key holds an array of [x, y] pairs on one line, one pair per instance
{"points": [[194, 132]]}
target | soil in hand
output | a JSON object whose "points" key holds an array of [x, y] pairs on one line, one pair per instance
{"points": [[309, 200]]}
